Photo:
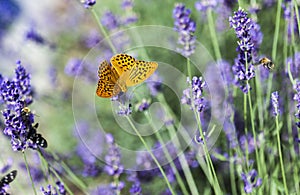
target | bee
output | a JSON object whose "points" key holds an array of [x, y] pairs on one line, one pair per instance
{"points": [[266, 62]]}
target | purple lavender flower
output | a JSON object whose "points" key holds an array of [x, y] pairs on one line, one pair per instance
{"points": [[297, 99], [35, 37], [88, 3], [294, 63], [275, 102], [223, 11], [203, 5], [131, 17], [102, 189], [288, 9], [6, 166], [18, 120], [249, 140], [190, 156], [10, 10], [52, 72], [186, 27], [36, 172], [90, 169], [251, 181], [269, 3], [197, 86], [127, 4], [110, 21], [154, 83], [243, 27], [256, 37], [113, 165], [84, 69], [136, 188], [143, 105], [124, 110], [58, 190]]}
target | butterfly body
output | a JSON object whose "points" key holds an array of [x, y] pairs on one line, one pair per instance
{"points": [[7, 179], [124, 71]]}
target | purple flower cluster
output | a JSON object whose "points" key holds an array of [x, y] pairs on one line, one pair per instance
{"points": [[243, 27], [143, 105], [275, 102], [89, 159], [136, 188], [16, 95], [186, 28], [10, 10], [113, 165], [203, 5], [124, 110], [35, 37], [297, 99], [58, 190], [195, 97], [251, 181], [288, 9], [294, 63], [78, 67], [113, 22], [154, 83], [88, 3]]}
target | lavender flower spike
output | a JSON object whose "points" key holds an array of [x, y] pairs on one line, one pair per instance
{"points": [[197, 94], [186, 27], [297, 99], [243, 27], [88, 3], [275, 104], [251, 181]]}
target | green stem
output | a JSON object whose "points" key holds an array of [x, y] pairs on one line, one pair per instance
{"points": [[297, 15], [111, 45], [151, 154], [74, 178], [254, 134], [216, 185], [28, 171], [280, 156], [213, 34], [232, 175], [173, 166], [276, 34], [246, 128]]}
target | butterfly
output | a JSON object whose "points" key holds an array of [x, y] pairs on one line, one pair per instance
{"points": [[124, 71], [7, 179]]}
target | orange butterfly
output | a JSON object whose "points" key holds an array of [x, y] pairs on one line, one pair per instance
{"points": [[124, 71]]}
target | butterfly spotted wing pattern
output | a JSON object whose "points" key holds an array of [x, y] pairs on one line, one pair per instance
{"points": [[7, 179], [125, 71], [122, 63], [107, 81], [140, 72]]}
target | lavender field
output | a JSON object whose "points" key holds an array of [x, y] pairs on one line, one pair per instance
{"points": [[150, 97]]}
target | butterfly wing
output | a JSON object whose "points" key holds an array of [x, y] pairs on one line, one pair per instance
{"points": [[140, 72], [8, 178], [122, 63], [107, 81]]}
